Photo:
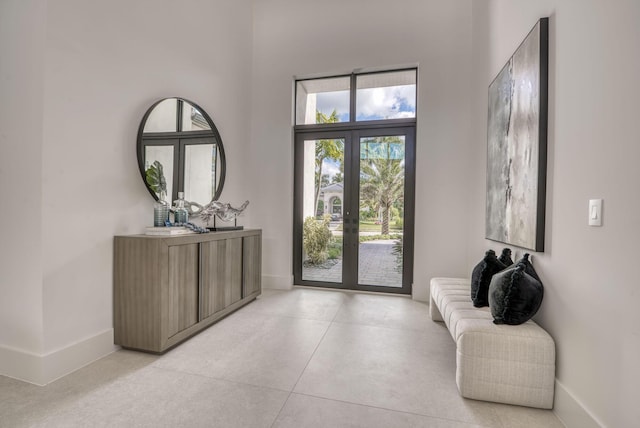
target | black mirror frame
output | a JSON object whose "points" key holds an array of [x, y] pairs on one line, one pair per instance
{"points": [[216, 135]]}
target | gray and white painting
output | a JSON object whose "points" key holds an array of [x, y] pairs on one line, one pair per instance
{"points": [[513, 149]]}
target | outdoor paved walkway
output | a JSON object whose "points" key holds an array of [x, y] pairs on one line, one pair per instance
{"points": [[376, 266]]}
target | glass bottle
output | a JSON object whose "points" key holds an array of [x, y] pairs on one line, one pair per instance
{"points": [[181, 215]]}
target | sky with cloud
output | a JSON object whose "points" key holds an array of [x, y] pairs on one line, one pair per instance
{"points": [[391, 102], [330, 167]]}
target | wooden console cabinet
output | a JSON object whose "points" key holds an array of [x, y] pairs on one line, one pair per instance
{"points": [[167, 288]]}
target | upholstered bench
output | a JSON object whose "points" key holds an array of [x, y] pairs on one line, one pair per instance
{"points": [[513, 364]]}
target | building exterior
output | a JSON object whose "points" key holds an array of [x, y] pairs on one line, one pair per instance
{"points": [[331, 197]]}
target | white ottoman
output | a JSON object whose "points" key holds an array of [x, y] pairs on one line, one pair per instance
{"points": [[501, 363]]}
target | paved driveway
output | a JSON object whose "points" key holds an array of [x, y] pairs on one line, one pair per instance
{"points": [[376, 266]]}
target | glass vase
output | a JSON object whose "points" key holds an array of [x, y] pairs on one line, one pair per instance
{"points": [[160, 214]]}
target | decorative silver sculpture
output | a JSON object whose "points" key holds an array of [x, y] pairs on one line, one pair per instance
{"points": [[193, 208], [224, 211]]}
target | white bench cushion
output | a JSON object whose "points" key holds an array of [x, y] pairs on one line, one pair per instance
{"points": [[500, 363]]}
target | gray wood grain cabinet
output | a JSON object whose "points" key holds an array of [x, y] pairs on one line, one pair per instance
{"points": [[168, 288]]}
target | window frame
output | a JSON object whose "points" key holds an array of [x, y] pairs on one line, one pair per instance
{"points": [[352, 105], [351, 131]]}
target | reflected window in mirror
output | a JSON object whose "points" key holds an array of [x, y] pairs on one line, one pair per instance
{"points": [[200, 171], [193, 120], [163, 117]]}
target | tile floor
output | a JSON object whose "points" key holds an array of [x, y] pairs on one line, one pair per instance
{"points": [[300, 358]]}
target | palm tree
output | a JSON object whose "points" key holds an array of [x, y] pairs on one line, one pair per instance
{"points": [[382, 184], [326, 149]]}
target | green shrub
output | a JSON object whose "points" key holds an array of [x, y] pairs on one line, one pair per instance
{"points": [[399, 223], [316, 238], [365, 238], [335, 248], [367, 214], [334, 253]]}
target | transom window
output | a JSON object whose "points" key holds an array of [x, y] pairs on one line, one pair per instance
{"points": [[356, 98]]}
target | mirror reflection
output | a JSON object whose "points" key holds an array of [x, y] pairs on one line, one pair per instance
{"points": [[155, 172], [180, 150], [200, 172]]}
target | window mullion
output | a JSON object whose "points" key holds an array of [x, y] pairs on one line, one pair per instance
{"points": [[352, 99], [179, 108]]}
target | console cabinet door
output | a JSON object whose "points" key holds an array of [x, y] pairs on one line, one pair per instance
{"points": [[221, 275], [252, 253], [182, 292]]}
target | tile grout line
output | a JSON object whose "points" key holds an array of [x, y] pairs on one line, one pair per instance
{"points": [[333, 322], [307, 365], [220, 379]]}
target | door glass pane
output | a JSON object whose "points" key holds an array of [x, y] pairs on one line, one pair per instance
{"points": [[381, 226], [323, 201], [322, 100], [390, 95], [200, 172], [158, 167]]}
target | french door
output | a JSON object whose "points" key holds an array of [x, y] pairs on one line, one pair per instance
{"points": [[354, 208]]}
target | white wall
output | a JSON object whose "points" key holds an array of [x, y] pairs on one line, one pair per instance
{"points": [[302, 38], [21, 91], [591, 288], [76, 78], [88, 85]]}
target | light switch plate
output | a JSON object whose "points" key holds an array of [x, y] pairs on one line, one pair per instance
{"points": [[595, 212]]}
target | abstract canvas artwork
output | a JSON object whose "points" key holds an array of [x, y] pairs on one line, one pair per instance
{"points": [[517, 145]]}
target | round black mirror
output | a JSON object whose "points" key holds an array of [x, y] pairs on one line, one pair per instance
{"points": [[180, 150]]}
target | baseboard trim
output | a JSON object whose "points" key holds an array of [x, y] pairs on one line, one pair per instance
{"points": [[571, 411], [41, 369], [20, 364], [420, 292], [276, 282]]}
